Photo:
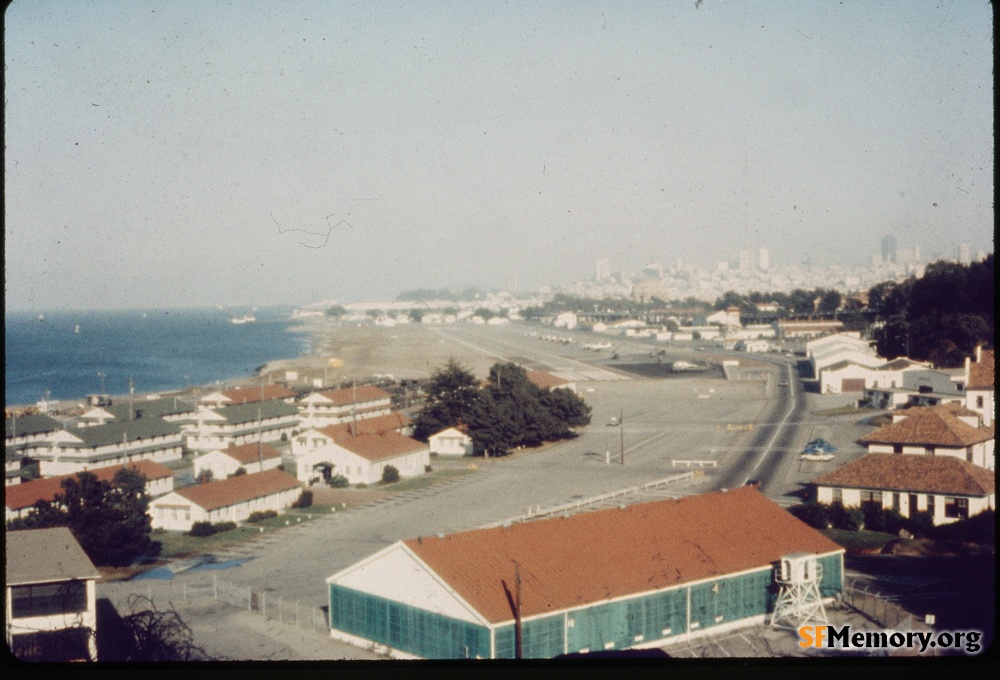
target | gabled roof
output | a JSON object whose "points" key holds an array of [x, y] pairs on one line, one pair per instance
{"points": [[239, 489], [596, 556], [375, 447], [938, 425], [36, 423], [41, 555], [355, 395], [117, 431], [982, 372], [251, 395], [391, 421], [899, 364], [844, 363], [26, 494], [165, 406], [237, 414], [251, 453], [912, 473]]}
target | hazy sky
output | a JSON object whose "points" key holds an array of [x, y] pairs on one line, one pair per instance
{"points": [[201, 153]]}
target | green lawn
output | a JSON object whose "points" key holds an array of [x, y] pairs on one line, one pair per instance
{"points": [[858, 540]]}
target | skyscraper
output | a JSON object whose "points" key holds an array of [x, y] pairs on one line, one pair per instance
{"points": [[889, 249], [602, 270]]}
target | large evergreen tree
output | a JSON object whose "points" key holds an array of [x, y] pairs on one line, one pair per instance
{"points": [[452, 396], [509, 412]]}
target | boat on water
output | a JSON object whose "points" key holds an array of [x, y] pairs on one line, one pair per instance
{"points": [[246, 318], [76, 328]]}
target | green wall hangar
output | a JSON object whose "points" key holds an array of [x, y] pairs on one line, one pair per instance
{"points": [[611, 579]]}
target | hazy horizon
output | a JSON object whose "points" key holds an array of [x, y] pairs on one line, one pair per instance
{"points": [[195, 154]]}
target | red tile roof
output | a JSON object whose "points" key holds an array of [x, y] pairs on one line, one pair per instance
{"points": [[936, 426], [981, 373], [912, 473], [249, 453], [242, 488], [591, 557], [392, 421], [26, 494], [541, 379], [375, 446], [251, 395], [356, 395]]}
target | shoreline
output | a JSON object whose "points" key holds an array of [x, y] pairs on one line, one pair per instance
{"points": [[58, 406]]}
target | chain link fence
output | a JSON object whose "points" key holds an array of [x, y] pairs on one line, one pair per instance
{"points": [[880, 610]]}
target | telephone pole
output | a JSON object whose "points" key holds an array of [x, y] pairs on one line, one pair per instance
{"points": [[621, 430]]}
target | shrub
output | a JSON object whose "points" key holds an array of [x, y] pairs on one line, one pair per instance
{"points": [[223, 526], [305, 499], [848, 519], [338, 482], [361, 485], [428, 468], [201, 529], [239, 471], [920, 524], [259, 515], [390, 474], [814, 514], [204, 476]]}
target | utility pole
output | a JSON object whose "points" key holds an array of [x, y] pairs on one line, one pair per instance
{"points": [[621, 429], [260, 441], [131, 400], [354, 410], [517, 612]]}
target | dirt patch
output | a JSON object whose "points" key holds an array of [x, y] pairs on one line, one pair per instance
{"points": [[924, 547]]}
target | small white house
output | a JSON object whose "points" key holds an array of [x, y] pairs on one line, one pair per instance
{"points": [[567, 320], [228, 500], [451, 442], [253, 457], [946, 430], [360, 458]]}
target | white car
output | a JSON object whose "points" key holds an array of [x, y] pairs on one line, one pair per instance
{"points": [[816, 457]]}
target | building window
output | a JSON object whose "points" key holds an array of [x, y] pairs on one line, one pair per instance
{"points": [[838, 496], [956, 507], [71, 644], [871, 499], [930, 504], [979, 402], [895, 502], [49, 598], [897, 448]]}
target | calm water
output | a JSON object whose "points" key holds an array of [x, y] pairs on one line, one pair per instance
{"points": [[159, 350]]}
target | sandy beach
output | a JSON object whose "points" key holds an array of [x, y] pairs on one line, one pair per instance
{"points": [[342, 352]]}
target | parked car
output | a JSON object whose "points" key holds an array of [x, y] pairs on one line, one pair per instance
{"points": [[821, 445], [816, 456], [783, 383]]}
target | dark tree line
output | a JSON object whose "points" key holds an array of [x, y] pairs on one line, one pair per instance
{"points": [[109, 520], [940, 317], [508, 412]]}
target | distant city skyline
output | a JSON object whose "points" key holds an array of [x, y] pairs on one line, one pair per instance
{"points": [[198, 154]]}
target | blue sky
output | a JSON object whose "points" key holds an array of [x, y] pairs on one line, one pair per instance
{"points": [[200, 153]]}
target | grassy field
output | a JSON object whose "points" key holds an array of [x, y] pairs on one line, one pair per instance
{"points": [[858, 541]]}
